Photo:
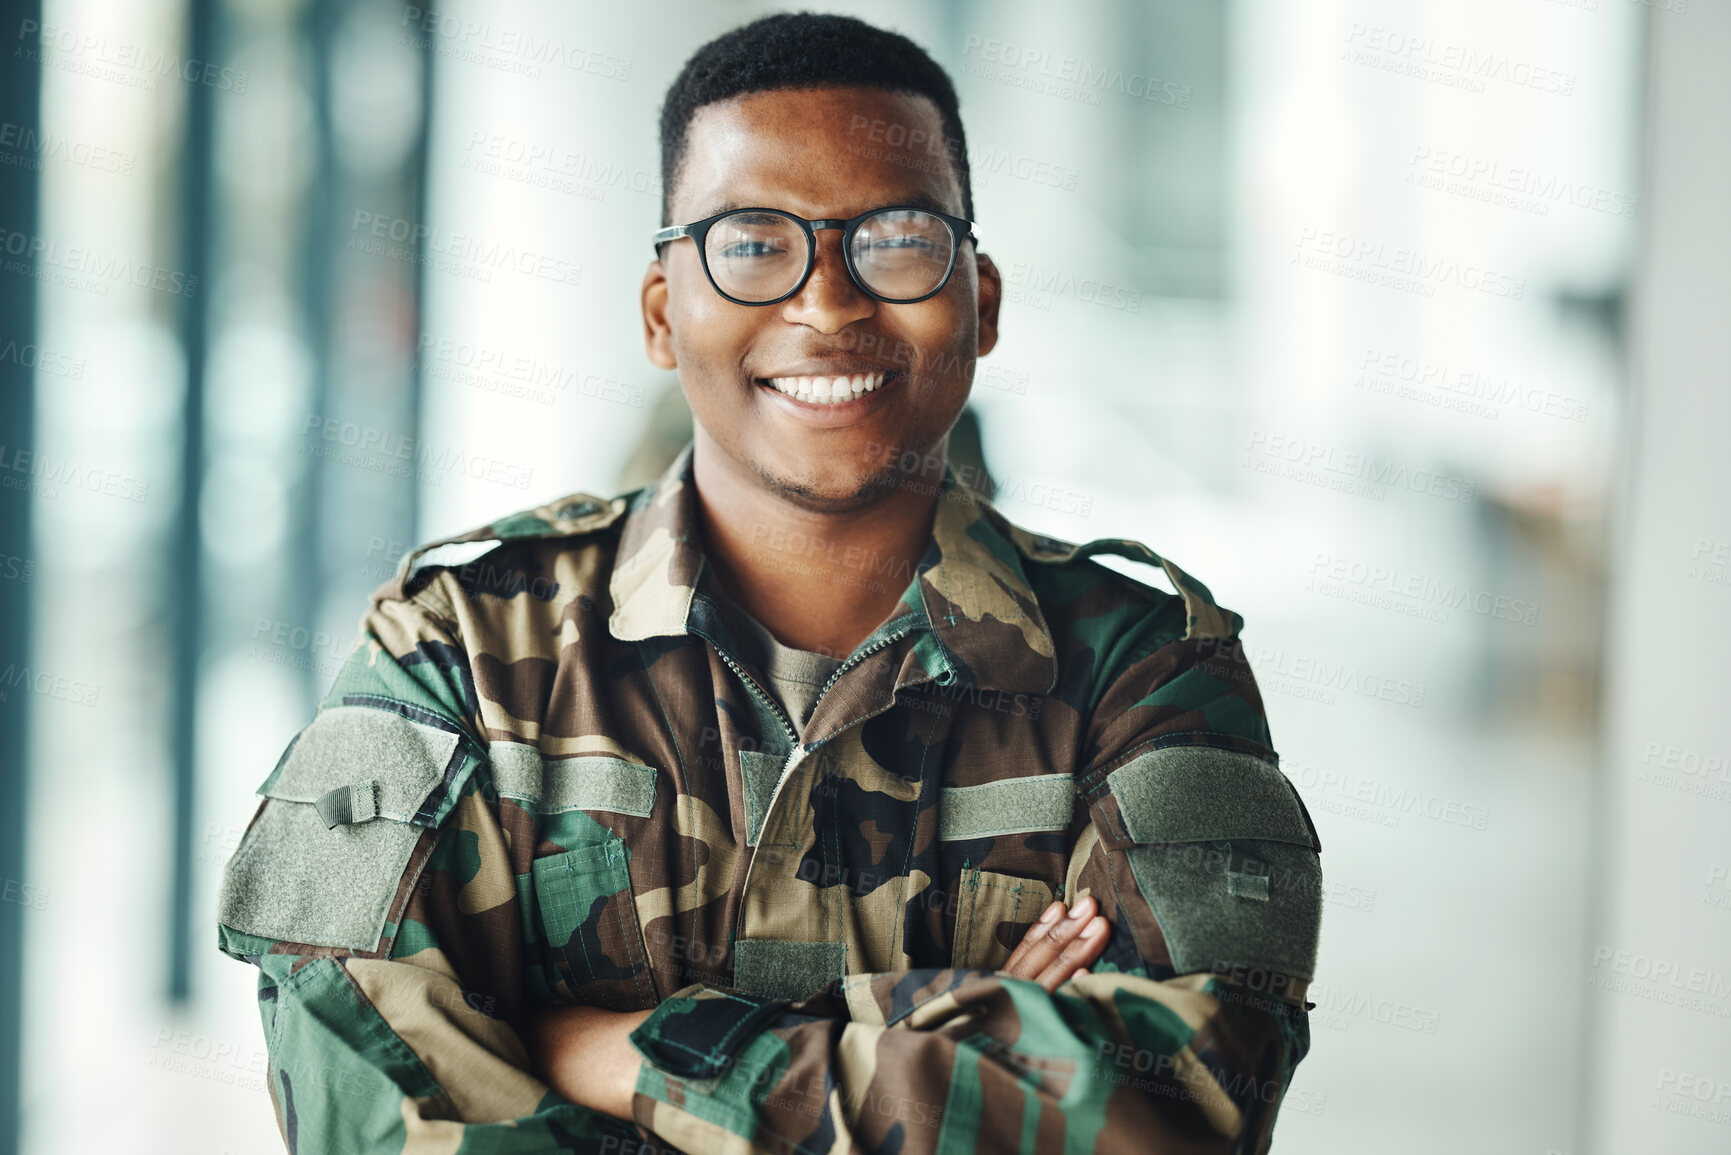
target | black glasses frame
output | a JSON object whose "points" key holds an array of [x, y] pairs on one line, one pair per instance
{"points": [[960, 230]]}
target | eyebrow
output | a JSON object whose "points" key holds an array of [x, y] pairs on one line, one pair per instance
{"points": [[912, 200]]}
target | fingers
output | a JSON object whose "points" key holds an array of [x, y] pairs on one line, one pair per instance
{"points": [[1035, 933], [1054, 948], [1080, 953]]}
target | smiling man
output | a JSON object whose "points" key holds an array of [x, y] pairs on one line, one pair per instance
{"points": [[797, 801]]}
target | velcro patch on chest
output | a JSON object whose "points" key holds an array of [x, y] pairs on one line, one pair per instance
{"points": [[1011, 806], [583, 782]]}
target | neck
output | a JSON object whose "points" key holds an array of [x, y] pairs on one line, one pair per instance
{"points": [[820, 581]]}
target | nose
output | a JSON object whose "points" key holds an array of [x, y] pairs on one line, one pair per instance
{"points": [[829, 301]]}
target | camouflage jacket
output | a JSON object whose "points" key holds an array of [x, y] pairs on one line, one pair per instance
{"points": [[543, 776]]}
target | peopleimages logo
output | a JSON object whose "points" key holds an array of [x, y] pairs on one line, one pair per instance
{"points": [[34, 146], [1072, 77], [520, 375], [1464, 390], [400, 455], [106, 58], [549, 165], [86, 269], [508, 49], [469, 254], [1361, 474], [1416, 595], [40, 474], [61, 687], [1087, 290], [1453, 65], [1660, 980], [988, 162], [1687, 771], [49, 361], [1525, 187], [1370, 800], [1408, 269], [1309, 677], [1335, 1008]]}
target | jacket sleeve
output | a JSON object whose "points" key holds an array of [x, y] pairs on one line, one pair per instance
{"points": [[374, 892], [1183, 1038]]}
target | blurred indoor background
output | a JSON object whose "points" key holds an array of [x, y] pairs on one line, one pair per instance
{"points": [[1401, 323]]}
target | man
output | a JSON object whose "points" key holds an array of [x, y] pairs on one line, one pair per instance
{"points": [[798, 799]]}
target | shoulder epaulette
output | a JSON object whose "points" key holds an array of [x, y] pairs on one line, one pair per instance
{"points": [[1205, 618], [568, 516]]}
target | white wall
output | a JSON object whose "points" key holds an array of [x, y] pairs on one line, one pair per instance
{"points": [[1661, 1067]]}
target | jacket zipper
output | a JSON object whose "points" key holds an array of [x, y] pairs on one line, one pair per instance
{"points": [[762, 695], [796, 751], [799, 752], [855, 659]]}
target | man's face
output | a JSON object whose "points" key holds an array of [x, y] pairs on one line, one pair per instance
{"points": [[819, 153]]}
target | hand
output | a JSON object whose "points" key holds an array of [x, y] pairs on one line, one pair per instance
{"points": [[1056, 950], [585, 1054]]}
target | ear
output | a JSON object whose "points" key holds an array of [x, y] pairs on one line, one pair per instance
{"points": [[991, 294], [657, 329]]}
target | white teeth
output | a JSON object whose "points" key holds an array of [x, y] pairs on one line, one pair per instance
{"points": [[828, 390]]}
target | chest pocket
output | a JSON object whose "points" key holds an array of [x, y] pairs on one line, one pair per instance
{"points": [[589, 924], [994, 910], [580, 906]]}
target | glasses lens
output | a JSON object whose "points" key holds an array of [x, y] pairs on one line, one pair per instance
{"points": [[756, 256], [903, 253]]}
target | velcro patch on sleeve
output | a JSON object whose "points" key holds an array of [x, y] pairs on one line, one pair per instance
{"points": [[296, 880], [396, 759], [1224, 854], [343, 811], [1200, 793], [1218, 920]]}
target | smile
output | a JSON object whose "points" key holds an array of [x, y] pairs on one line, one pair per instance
{"points": [[830, 390]]}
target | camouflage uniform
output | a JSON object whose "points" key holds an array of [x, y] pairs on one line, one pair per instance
{"points": [[544, 776]]}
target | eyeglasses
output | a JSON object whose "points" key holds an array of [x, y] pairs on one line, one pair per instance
{"points": [[898, 254]]}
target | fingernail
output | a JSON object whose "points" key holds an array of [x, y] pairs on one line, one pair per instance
{"points": [[1093, 929], [1052, 912], [1076, 911]]}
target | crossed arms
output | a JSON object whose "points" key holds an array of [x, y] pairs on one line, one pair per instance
{"points": [[404, 1025]]}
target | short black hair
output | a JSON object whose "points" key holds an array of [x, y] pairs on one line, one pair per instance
{"points": [[805, 50]]}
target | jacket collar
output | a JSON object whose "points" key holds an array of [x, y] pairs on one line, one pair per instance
{"points": [[970, 588]]}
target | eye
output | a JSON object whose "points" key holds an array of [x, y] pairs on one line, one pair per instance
{"points": [[741, 250], [902, 241]]}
